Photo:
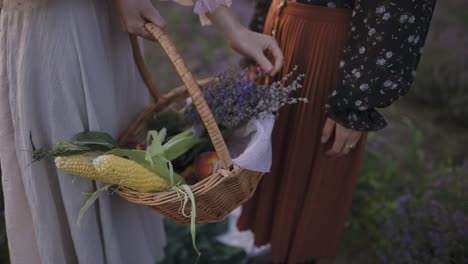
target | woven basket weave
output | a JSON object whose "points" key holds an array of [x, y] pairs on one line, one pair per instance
{"points": [[215, 196]]}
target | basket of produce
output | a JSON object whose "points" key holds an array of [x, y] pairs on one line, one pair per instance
{"points": [[174, 158]]}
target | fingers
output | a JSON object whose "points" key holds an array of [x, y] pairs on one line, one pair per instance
{"points": [[263, 61], [351, 142], [153, 16], [142, 32], [327, 130], [341, 136], [260, 48], [277, 56], [345, 139], [135, 14]]}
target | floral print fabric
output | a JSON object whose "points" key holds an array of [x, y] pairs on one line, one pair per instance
{"points": [[379, 61]]}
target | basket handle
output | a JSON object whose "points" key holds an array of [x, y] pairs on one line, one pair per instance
{"points": [[195, 93], [144, 72]]}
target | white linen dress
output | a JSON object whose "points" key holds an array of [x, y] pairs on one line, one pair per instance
{"points": [[65, 66]]}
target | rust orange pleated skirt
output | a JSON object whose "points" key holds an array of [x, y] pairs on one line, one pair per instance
{"points": [[301, 207]]}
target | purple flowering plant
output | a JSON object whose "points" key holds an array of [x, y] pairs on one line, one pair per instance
{"points": [[235, 100], [432, 228], [408, 207]]}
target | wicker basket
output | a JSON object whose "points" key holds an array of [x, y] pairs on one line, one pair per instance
{"points": [[217, 195]]}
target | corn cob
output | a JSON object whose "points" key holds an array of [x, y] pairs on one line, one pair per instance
{"points": [[116, 170], [81, 165]]}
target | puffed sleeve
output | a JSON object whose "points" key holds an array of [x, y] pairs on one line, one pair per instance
{"points": [[202, 7], [379, 61]]}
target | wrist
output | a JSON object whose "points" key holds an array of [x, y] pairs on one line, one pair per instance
{"points": [[237, 33], [226, 23]]}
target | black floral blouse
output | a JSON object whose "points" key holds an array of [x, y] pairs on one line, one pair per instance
{"points": [[380, 58]]}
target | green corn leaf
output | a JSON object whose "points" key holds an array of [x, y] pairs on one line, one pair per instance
{"points": [[161, 164], [90, 201], [95, 138], [154, 145], [168, 165], [84, 142], [70, 147], [162, 135], [180, 144], [61, 149], [180, 136], [187, 193], [137, 156]]}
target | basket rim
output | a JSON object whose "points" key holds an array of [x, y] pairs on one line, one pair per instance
{"points": [[201, 187]]}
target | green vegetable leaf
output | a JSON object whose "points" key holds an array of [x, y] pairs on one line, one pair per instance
{"points": [[95, 138], [180, 136], [180, 144], [188, 195], [67, 147], [155, 155], [137, 156], [154, 143], [84, 142], [167, 164], [162, 135], [90, 201], [193, 215], [181, 147], [61, 149]]}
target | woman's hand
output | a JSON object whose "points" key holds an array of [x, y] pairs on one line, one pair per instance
{"points": [[345, 139], [134, 14], [259, 47]]}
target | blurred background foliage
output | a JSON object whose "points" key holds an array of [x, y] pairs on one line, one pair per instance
{"points": [[444, 67], [411, 202]]}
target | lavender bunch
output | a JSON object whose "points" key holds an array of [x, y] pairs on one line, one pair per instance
{"points": [[235, 100], [432, 229]]}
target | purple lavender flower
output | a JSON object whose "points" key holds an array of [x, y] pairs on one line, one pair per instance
{"points": [[234, 100], [431, 227], [402, 202], [404, 199], [384, 259], [438, 184], [388, 225], [375, 145], [458, 216], [435, 204]]}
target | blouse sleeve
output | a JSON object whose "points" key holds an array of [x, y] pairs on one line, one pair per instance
{"points": [[202, 7], [379, 61]]}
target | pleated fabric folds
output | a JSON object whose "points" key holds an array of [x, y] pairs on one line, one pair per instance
{"points": [[302, 206]]}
